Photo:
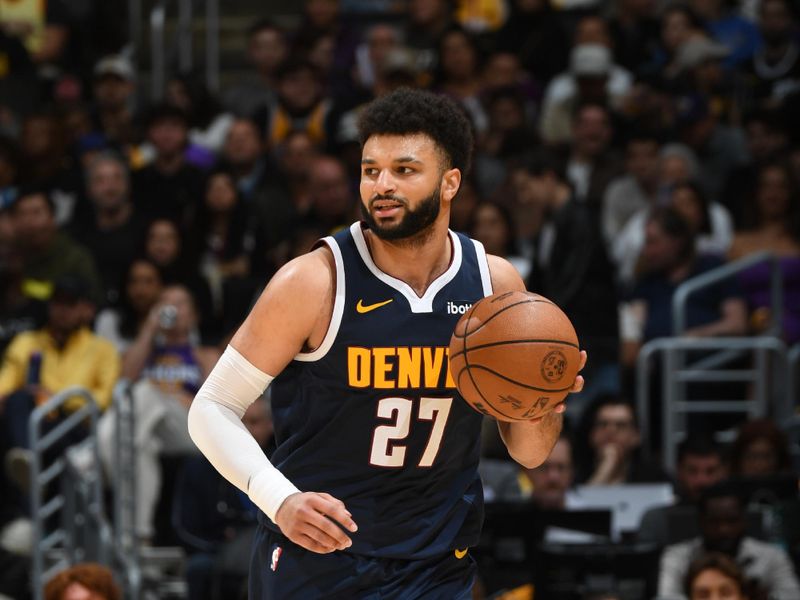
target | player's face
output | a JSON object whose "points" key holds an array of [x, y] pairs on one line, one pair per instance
{"points": [[401, 185]]}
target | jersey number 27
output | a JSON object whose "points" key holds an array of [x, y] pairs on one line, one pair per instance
{"points": [[387, 451]]}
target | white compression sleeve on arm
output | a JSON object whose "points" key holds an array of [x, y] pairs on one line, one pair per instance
{"points": [[215, 426]]}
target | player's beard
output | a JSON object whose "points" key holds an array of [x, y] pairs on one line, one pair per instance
{"points": [[414, 223]]}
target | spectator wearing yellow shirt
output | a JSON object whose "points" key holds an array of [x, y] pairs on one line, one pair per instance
{"points": [[69, 354]]}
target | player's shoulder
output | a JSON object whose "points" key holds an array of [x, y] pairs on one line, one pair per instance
{"points": [[505, 278], [311, 273]]}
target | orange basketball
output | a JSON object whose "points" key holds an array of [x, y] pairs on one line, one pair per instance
{"points": [[514, 356]]}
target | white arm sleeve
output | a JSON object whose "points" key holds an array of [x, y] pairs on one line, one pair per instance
{"points": [[216, 428]]}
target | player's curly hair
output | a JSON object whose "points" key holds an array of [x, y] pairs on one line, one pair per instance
{"points": [[408, 111]]}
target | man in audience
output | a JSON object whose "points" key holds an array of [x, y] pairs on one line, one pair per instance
{"points": [[700, 465], [40, 363], [722, 529], [614, 442], [46, 252], [115, 233], [170, 187]]}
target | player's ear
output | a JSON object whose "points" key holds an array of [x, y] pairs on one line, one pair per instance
{"points": [[451, 181]]}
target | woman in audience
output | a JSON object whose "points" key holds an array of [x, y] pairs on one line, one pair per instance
{"points": [[773, 227], [164, 245], [491, 225], [760, 450], [715, 575], [142, 285], [711, 222]]}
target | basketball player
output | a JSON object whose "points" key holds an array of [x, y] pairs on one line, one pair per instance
{"points": [[373, 491]]}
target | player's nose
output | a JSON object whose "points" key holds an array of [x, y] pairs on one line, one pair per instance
{"points": [[384, 183]]}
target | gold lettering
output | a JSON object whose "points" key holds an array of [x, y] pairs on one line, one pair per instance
{"points": [[409, 367], [449, 381], [432, 359], [382, 367], [358, 367]]}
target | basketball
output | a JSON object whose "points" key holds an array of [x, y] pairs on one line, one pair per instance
{"points": [[514, 356]]}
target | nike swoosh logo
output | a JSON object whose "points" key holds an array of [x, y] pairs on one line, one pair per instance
{"points": [[365, 309], [461, 553]]}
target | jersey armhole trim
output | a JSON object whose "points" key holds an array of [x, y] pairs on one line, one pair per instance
{"points": [[483, 267], [338, 308]]}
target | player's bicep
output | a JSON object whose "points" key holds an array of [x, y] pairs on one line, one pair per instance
{"points": [[505, 278], [294, 306]]}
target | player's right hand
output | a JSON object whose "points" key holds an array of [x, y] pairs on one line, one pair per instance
{"points": [[310, 520]]}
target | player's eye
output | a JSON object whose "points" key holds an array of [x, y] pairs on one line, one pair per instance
{"points": [[370, 171], [405, 170]]}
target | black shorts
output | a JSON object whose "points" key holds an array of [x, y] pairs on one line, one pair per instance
{"points": [[282, 570]]}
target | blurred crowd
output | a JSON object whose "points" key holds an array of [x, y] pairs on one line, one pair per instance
{"points": [[622, 147]]}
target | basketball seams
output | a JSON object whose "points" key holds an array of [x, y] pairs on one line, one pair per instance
{"points": [[527, 341], [489, 320], [519, 383]]}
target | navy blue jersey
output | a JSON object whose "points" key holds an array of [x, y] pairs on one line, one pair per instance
{"points": [[372, 415]]}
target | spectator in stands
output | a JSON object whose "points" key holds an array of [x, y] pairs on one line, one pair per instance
{"points": [[214, 520], [459, 75], [719, 148], [613, 446], [225, 238], [591, 162], [773, 72], [554, 477], [767, 142], [773, 225], [86, 581], [634, 30], [636, 189], [267, 48], [493, 226], [208, 122], [42, 28], [711, 222], [116, 230], [40, 363], [379, 41], [46, 252], [535, 33], [169, 365], [571, 268], [141, 287], [760, 450], [114, 110], [700, 466], [427, 21], [715, 575], [333, 203], [670, 259], [592, 77], [722, 526], [45, 163], [301, 105], [243, 155], [164, 245], [170, 187], [728, 27], [546, 485]]}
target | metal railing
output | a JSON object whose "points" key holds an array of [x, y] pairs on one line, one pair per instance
{"points": [[726, 271], [676, 371], [82, 534], [126, 545], [183, 42]]}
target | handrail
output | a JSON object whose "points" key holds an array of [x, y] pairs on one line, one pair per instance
{"points": [[184, 41], [39, 445], [672, 371], [158, 19], [689, 287]]}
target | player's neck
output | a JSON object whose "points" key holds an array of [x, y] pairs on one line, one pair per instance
{"points": [[419, 262]]}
